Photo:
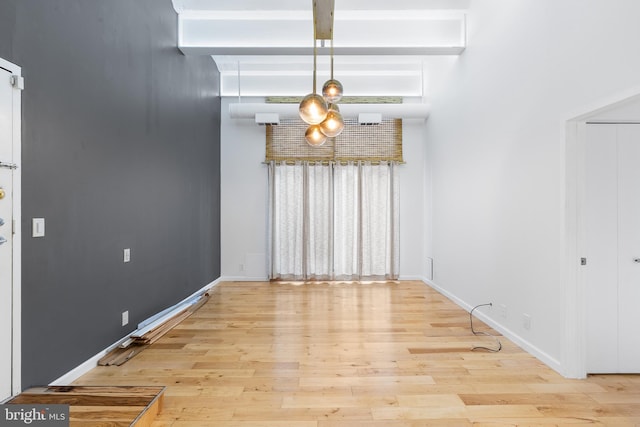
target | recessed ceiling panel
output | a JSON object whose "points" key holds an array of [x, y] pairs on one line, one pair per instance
{"points": [[291, 33], [265, 47]]}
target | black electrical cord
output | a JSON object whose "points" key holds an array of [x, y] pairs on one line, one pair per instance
{"points": [[493, 350]]}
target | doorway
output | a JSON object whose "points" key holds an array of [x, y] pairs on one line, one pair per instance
{"points": [[612, 247], [10, 87]]}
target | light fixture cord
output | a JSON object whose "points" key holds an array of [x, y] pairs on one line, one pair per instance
{"points": [[332, 55], [478, 347], [315, 49], [314, 63]]}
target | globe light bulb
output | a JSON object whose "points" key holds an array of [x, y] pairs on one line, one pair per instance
{"points": [[332, 91], [333, 125], [314, 136], [313, 109]]}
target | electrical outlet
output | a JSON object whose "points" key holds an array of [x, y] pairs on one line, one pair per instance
{"points": [[526, 321], [502, 311], [241, 267], [125, 318], [127, 255]]}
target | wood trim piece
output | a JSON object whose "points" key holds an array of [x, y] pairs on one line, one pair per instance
{"points": [[101, 405]]}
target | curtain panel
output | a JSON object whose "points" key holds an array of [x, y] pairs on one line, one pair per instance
{"points": [[335, 221]]}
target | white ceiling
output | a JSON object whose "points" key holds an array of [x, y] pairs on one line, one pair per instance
{"points": [[265, 47]]}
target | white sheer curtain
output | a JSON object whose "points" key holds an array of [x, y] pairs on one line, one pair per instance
{"points": [[335, 221], [347, 222], [319, 222], [379, 221], [286, 223]]}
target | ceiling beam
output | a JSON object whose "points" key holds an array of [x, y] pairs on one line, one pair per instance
{"points": [[181, 6], [389, 51], [242, 33]]}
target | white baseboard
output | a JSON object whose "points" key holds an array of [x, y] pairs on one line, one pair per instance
{"points": [[92, 362], [410, 277], [84, 367], [541, 355], [244, 279], [266, 279]]}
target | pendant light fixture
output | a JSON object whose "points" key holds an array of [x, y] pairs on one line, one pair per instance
{"points": [[313, 108], [321, 112]]}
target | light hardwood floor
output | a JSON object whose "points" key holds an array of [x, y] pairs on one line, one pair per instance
{"points": [[355, 355]]}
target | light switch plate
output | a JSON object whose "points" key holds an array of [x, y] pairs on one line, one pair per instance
{"points": [[37, 227], [126, 257]]}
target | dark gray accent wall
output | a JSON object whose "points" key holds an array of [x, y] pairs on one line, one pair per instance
{"points": [[121, 149]]}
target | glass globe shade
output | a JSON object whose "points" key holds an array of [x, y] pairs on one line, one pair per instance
{"points": [[313, 109], [314, 136], [332, 90], [333, 125]]}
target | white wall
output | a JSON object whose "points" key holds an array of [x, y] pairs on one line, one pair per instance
{"points": [[624, 112], [497, 144], [414, 194], [244, 199]]}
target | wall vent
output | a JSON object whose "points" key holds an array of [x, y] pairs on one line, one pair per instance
{"points": [[264, 119], [369, 119]]}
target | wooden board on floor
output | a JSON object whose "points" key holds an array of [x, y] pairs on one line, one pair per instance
{"points": [[138, 343], [100, 405]]}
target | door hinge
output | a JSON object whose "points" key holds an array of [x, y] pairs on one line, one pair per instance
{"points": [[583, 261], [17, 82], [13, 226]]}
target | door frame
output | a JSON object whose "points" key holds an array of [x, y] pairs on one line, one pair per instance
{"points": [[574, 332], [16, 377]]}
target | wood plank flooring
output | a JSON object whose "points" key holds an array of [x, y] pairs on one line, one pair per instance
{"points": [[354, 355]]}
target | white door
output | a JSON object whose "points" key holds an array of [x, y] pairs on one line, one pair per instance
{"points": [[612, 219], [6, 234]]}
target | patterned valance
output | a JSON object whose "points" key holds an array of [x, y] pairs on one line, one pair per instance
{"points": [[374, 143]]}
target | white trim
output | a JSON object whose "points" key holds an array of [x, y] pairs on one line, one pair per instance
{"points": [[574, 355], [199, 292], [586, 112], [266, 279], [547, 359], [16, 380], [92, 362], [180, 29], [83, 368], [244, 279], [415, 277]]}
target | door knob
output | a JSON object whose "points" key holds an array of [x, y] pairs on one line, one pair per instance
{"points": [[637, 260], [2, 193]]}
